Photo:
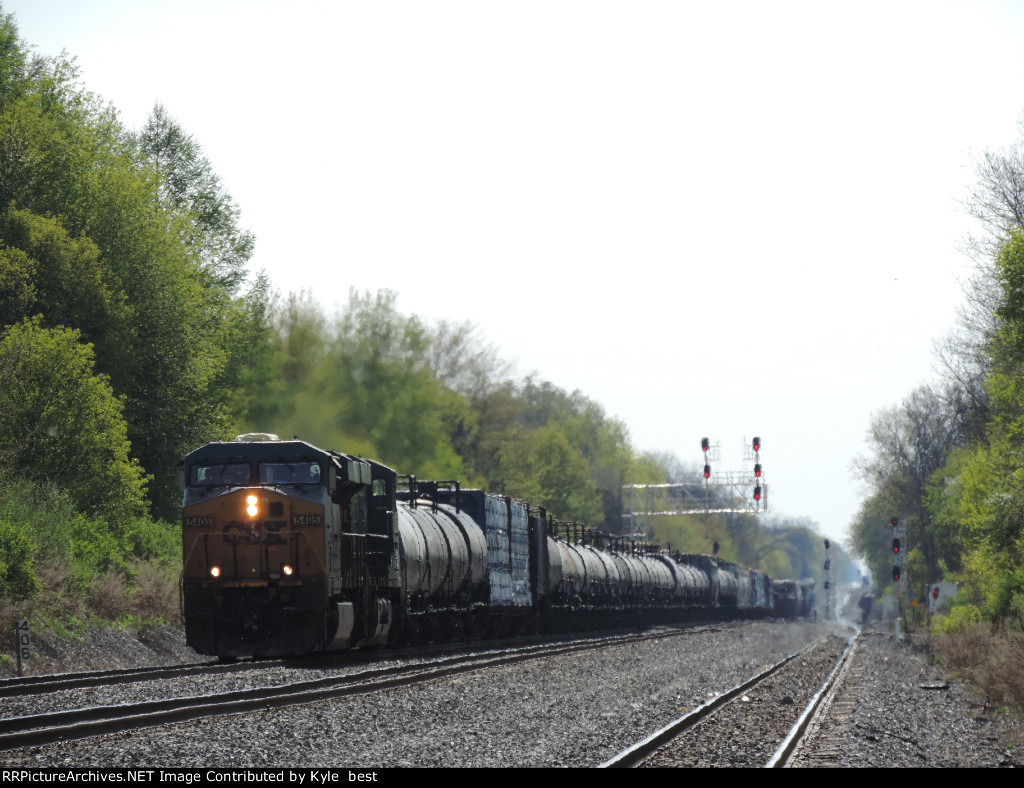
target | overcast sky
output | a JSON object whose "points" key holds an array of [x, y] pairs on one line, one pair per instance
{"points": [[715, 219]]}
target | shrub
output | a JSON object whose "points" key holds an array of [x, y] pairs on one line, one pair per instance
{"points": [[17, 561], [993, 660], [156, 592], [959, 620], [156, 540]]}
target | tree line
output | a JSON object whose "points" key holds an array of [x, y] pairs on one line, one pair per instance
{"points": [[132, 331], [948, 459]]}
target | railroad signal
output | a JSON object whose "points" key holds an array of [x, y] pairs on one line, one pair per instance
{"points": [[896, 573], [896, 546], [757, 470], [705, 444], [707, 471], [757, 492], [894, 521], [757, 444]]}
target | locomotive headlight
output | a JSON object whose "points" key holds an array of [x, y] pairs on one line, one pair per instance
{"points": [[251, 509], [288, 570], [214, 571]]}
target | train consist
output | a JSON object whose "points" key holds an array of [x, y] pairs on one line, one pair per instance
{"points": [[290, 549]]}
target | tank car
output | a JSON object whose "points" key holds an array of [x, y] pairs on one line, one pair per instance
{"points": [[289, 549]]}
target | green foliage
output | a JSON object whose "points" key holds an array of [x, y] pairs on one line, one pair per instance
{"points": [[43, 511], [64, 276], [95, 551], [694, 534], [976, 500], [958, 620], [1008, 599], [155, 540], [17, 569], [541, 466], [188, 182], [132, 241], [61, 423]]}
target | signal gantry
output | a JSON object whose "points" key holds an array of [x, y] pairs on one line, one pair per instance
{"points": [[697, 498]]}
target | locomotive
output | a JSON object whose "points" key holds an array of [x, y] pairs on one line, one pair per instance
{"points": [[290, 549]]}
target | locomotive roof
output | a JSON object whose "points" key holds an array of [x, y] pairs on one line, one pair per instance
{"points": [[226, 451]]}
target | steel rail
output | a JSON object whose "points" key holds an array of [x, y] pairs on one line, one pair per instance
{"points": [[795, 736], [40, 729], [636, 753]]}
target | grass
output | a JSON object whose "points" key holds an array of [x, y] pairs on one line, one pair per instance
{"points": [[992, 659], [147, 598]]}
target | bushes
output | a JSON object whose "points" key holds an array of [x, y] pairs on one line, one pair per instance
{"points": [[960, 619], [993, 660], [59, 562], [17, 566]]}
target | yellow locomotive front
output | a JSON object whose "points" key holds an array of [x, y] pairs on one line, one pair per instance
{"points": [[268, 535]]}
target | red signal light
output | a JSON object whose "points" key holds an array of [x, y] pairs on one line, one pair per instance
{"points": [[757, 470], [896, 573], [705, 444], [895, 545], [894, 522], [757, 444], [707, 471], [757, 493]]}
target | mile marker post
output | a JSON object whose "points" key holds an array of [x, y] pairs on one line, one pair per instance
{"points": [[21, 642]]}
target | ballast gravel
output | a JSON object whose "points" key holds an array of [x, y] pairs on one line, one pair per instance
{"points": [[576, 710]]}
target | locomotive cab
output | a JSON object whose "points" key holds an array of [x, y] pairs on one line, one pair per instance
{"points": [[287, 548]]}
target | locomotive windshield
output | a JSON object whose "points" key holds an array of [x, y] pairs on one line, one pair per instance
{"points": [[221, 474], [289, 472]]}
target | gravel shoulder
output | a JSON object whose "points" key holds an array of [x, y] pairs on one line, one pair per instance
{"points": [[896, 708], [568, 711]]}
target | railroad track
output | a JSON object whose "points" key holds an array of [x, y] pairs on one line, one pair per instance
{"points": [[55, 682], [33, 730], [760, 722]]}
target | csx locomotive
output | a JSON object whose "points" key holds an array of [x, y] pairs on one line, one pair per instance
{"points": [[290, 549]]}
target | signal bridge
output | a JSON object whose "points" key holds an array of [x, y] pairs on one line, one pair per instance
{"points": [[722, 492]]}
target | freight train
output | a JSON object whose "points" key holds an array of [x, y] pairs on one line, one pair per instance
{"points": [[290, 549]]}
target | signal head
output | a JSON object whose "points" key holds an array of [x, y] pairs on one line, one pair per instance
{"points": [[896, 546], [757, 492], [894, 521], [705, 444], [757, 470], [896, 573], [757, 444], [707, 471]]}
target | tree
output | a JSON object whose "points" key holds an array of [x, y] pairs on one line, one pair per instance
{"points": [[45, 271], [61, 423], [982, 501], [963, 357], [911, 442], [187, 181], [461, 359], [541, 466], [145, 260]]}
